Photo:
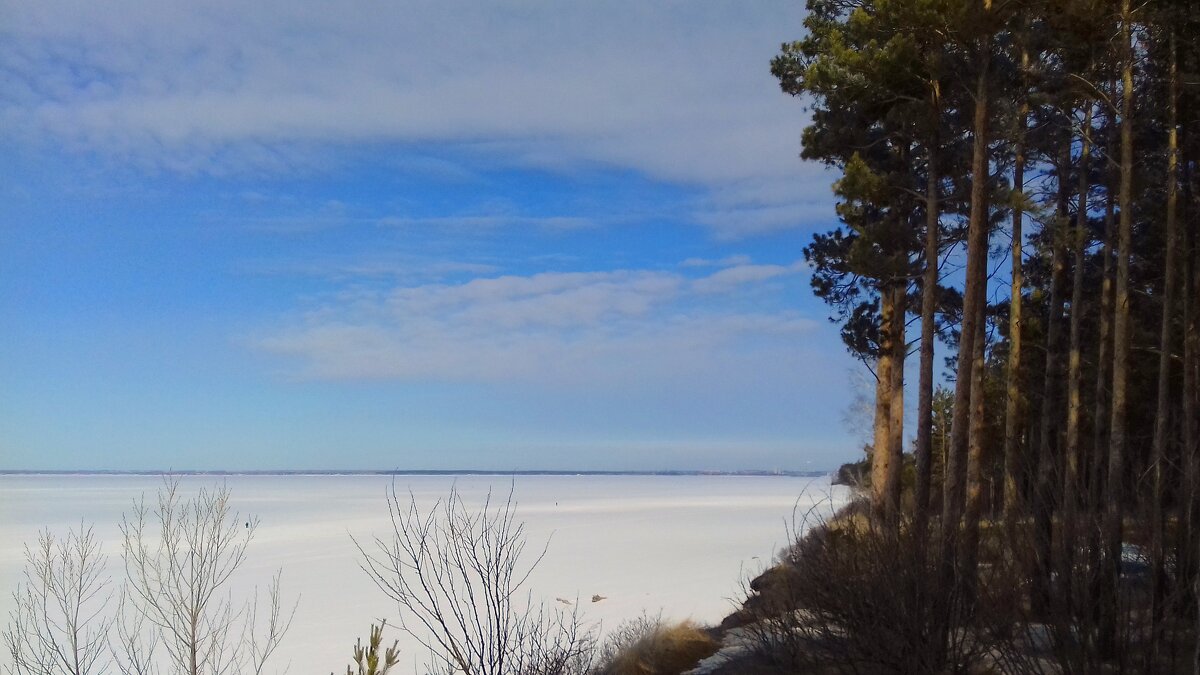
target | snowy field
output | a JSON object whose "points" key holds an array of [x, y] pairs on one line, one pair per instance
{"points": [[677, 544]]}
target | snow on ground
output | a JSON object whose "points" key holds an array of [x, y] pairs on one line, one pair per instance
{"points": [[675, 544]]}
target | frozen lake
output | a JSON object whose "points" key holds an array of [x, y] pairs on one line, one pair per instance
{"points": [[675, 544]]}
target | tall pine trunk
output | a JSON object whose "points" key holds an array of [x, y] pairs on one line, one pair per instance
{"points": [[1192, 429], [881, 469], [1014, 423], [1051, 417], [1190, 536], [1192, 416], [924, 449], [1162, 426], [1118, 431], [1072, 476], [974, 507], [1096, 470], [977, 243], [896, 417]]}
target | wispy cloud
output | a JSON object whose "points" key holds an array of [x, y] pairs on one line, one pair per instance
{"points": [[615, 327], [676, 91], [730, 278], [491, 221], [738, 259], [356, 268]]}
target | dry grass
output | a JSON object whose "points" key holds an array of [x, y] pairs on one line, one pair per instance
{"points": [[661, 650]]}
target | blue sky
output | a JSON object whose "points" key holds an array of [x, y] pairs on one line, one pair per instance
{"points": [[511, 235]]}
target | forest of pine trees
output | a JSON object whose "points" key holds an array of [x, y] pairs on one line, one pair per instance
{"points": [[1018, 193]]}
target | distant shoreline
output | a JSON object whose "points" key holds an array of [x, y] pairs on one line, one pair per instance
{"points": [[402, 472]]}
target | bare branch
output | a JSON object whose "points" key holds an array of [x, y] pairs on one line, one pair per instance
{"points": [[458, 575], [58, 624]]}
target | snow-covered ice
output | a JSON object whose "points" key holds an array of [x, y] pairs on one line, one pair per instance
{"points": [[675, 544]]}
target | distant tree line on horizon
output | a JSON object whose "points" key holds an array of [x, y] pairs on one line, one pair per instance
{"points": [[1018, 181]]}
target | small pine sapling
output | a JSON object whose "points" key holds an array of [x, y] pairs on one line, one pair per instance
{"points": [[369, 660]]}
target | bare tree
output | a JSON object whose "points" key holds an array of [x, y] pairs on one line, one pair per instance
{"points": [[58, 625], [179, 556], [457, 575], [131, 640]]}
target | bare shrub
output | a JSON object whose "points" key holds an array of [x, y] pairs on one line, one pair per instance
{"points": [[173, 613], [647, 646], [624, 637], [457, 576], [59, 623], [852, 598], [1070, 614], [179, 556]]}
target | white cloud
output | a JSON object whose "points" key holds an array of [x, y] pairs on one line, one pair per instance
{"points": [[407, 268], [547, 299], [621, 327], [491, 221], [730, 278], [679, 91], [727, 261]]}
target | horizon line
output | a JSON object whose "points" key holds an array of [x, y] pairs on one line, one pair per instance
{"points": [[809, 473]]}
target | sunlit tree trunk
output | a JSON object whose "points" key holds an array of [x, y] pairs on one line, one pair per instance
{"points": [[1073, 452], [1014, 424], [974, 507], [977, 241], [924, 448], [1118, 434], [881, 469], [896, 415]]}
